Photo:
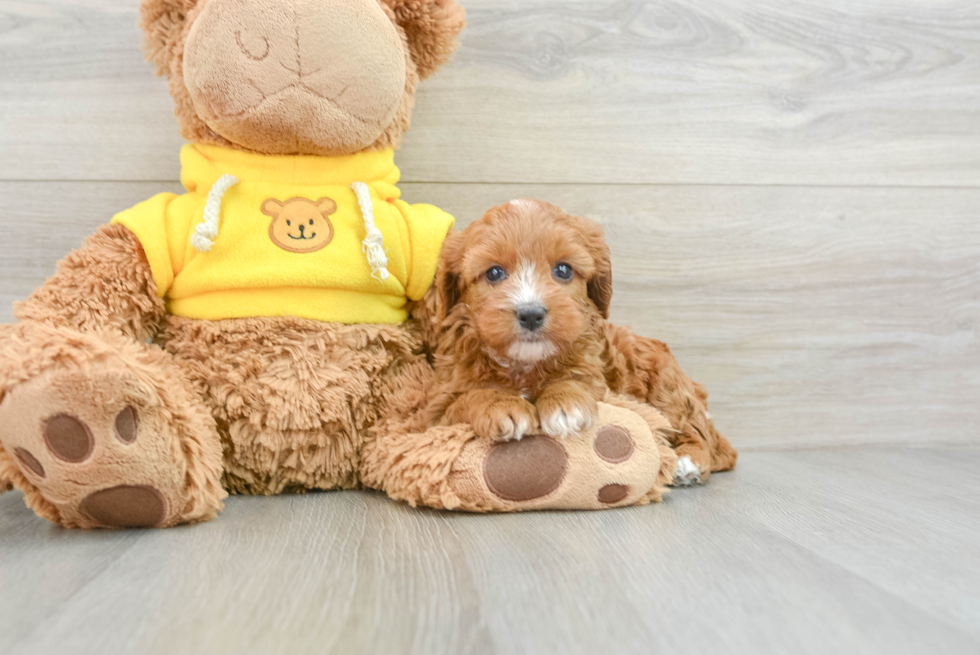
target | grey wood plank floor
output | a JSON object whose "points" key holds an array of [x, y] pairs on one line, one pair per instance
{"points": [[858, 550]]}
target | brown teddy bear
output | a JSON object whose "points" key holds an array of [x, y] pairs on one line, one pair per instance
{"points": [[252, 336]]}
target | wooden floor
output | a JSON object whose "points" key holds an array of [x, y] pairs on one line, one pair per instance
{"points": [[791, 191], [860, 550]]}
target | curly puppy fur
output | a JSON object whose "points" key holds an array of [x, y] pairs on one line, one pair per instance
{"points": [[645, 369], [522, 293]]}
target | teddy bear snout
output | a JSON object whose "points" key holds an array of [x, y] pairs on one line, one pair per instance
{"points": [[259, 70], [255, 48]]}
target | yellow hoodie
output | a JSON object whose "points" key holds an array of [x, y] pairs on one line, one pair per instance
{"points": [[263, 235]]}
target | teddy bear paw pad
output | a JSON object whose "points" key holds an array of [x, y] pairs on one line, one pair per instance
{"points": [[613, 444], [68, 438], [30, 461], [527, 469], [125, 506], [96, 446], [613, 493], [614, 464]]}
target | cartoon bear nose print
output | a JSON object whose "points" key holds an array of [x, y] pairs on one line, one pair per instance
{"points": [[300, 225]]}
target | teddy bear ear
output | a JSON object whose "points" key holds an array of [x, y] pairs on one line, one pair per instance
{"points": [[326, 206], [162, 22], [271, 207], [431, 27]]}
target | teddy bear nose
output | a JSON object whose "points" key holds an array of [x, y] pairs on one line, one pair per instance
{"points": [[531, 317]]}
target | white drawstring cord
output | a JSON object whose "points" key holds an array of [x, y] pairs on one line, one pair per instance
{"points": [[207, 230], [373, 244]]}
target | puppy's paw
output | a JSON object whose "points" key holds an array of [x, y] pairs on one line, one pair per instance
{"points": [[686, 473], [566, 419], [506, 419]]}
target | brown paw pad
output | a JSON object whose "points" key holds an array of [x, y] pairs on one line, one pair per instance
{"points": [[613, 493], [125, 507], [613, 444], [68, 438], [30, 461], [527, 469], [126, 425]]}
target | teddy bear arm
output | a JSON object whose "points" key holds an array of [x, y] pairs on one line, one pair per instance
{"points": [[105, 284]]}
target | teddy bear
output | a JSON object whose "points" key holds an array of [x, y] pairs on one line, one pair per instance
{"points": [[266, 332]]}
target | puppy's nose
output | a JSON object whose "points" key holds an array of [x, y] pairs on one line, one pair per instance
{"points": [[531, 317]]}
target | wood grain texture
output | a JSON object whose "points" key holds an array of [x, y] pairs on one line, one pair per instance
{"points": [[578, 91], [813, 315], [830, 551]]}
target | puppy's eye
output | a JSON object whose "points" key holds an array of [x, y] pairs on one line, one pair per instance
{"points": [[289, 222], [311, 221], [496, 274], [563, 272]]}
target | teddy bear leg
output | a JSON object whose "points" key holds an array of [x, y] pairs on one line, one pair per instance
{"points": [[101, 431], [623, 460]]}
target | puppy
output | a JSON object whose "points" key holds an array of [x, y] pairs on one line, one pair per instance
{"points": [[521, 298], [517, 320]]}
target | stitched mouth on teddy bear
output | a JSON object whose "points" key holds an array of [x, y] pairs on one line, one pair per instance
{"points": [[213, 113], [302, 233]]}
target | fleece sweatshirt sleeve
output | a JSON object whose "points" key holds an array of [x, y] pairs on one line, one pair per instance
{"points": [[148, 221], [428, 227]]}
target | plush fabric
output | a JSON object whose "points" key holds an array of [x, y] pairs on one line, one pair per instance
{"points": [[54, 371], [427, 30], [337, 59], [252, 269]]}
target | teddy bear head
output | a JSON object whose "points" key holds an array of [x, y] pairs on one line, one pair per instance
{"points": [[314, 77]]}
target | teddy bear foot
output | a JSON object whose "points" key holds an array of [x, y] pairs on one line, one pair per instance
{"points": [[96, 447], [619, 462]]}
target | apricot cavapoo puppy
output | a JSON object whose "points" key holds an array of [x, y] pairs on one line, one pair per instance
{"points": [[523, 291], [523, 346]]}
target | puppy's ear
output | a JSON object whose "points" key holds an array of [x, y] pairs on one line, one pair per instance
{"points": [[448, 280], [163, 22], [431, 27], [600, 286]]}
